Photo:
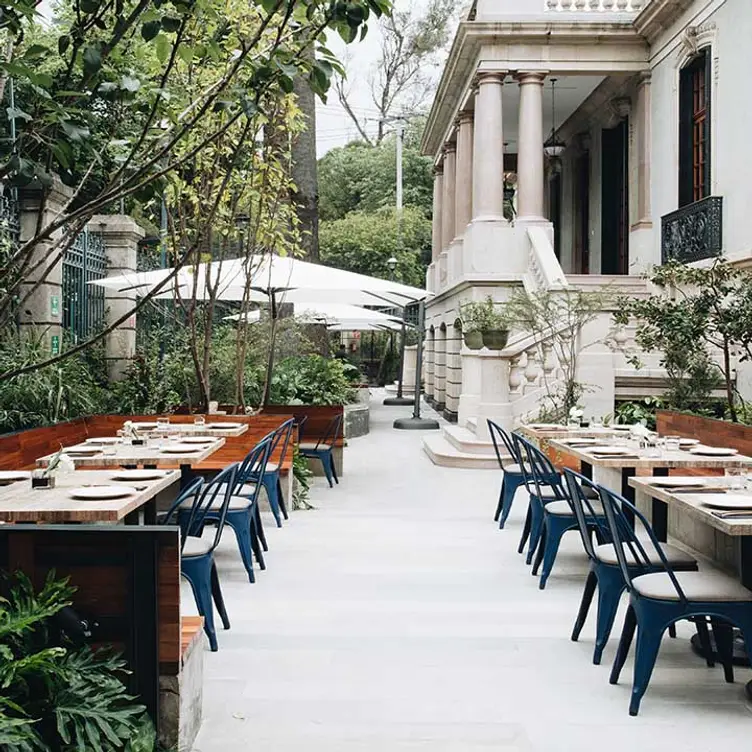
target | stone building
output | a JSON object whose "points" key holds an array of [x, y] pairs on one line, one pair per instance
{"points": [[642, 162]]}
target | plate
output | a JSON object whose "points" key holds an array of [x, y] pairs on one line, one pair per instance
{"points": [[197, 440], [579, 442], [104, 441], [102, 492], [677, 482], [9, 476], [547, 426], [82, 450], [615, 450], [222, 426], [619, 427], [144, 426], [138, 475], [179, 449], [707, 451], [727, 501], [688, 442]]}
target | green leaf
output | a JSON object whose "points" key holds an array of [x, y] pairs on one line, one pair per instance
{"points": [[150, 29], [74, 131], [92, 59], [63, 43], [162, 48], [130, 83], [171, 24]]}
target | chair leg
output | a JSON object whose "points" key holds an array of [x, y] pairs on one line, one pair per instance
{"points": [[500, 505], [242, 531], [281, 497], [258, 528], [587, 598], [200, 582], [701, 623], [536, 528], [609, 594], [256, 546], [540, 550], [672, 631], [327, 470], [510, 490], [648, 645], [723, 633], [334, 467], [555, 529], [627, 634], [270, 483], [525, 530], [219, 601]]}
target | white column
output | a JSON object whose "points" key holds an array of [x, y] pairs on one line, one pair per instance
{"points": [[488, 149], [530, 173], [643, 151], [438, 189], [464, 177], [447, 202]]}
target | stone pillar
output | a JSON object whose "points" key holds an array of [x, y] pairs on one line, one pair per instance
{"points": [[453, 372], [429, 364], [121, 235], [643, 151], [488, 150], [438, 195], [530, 173], [448, 200], [41, 314], [463, 205], [439, 376]]}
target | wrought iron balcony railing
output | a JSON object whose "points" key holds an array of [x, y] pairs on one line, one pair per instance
{"points": [[693, 232]]}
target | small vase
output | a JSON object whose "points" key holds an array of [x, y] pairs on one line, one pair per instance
{"points": [[473, 340], [39, 480], [495, 339]]}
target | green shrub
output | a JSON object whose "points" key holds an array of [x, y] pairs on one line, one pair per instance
{"points": [[311, 380]]}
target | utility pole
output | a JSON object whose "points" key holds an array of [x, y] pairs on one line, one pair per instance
{"points": [[400, 399]]}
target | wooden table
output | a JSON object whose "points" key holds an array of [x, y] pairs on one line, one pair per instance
{"points": [[149, 455], [615, 471], [19, 502], [565, 432], [690, 504], [191, 429]]}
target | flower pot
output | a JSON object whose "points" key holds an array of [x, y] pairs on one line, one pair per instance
{"points": [[39, 481], [495, 339], [474, 340]]}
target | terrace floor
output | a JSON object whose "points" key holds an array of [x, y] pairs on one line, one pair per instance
{"points": [[397, 617]]}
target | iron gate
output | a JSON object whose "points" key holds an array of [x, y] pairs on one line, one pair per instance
{"points": [[83, 304]]}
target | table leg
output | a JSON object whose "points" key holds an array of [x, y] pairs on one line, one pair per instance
{"points": [[659, 511], [628, 493], [150, 511], [186, 476], [586, 469]]}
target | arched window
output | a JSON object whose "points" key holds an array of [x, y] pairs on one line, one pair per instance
{"points": [[694, 129]]}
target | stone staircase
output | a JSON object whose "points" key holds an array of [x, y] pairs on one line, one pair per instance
{"points": [[458, 446]]}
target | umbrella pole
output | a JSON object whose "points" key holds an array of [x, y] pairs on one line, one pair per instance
{"points": [[416, 423], [272, 338], [399, 400]]}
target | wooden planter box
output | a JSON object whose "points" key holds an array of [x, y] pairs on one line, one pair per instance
{"points": [[710, 431]]}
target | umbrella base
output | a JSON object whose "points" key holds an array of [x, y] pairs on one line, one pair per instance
{"points": [[416, 424], [399, 401]]}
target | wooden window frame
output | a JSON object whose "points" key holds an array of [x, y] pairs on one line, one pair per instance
{"points": [[695, 128]]}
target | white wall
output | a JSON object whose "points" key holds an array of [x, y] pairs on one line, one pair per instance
{"points": [[731, 115]]}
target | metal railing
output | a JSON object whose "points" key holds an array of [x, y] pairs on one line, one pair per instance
{"points": [[694, 232], [84, 304]]}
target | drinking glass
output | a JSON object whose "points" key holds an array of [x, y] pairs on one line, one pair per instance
{"points": [[735, 478], [199, 421], [672, 443]]}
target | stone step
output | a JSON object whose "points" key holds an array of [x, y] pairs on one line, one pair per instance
{"points": [[444, 453], [472, 424], [466, 441]]}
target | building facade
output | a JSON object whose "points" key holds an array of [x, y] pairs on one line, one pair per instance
{"points": [[578, 143]]}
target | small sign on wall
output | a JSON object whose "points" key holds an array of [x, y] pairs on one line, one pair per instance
{"points": [[55, 344], [54, 305]]}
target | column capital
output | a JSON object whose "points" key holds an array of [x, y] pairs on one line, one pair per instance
{"points": [[531, 77], [489, 77], [438, 169], [450, 147], [644, 78], [464, 117]]}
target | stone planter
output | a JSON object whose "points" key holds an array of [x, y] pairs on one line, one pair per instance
{"points": [[495, 339], [473, 340]]}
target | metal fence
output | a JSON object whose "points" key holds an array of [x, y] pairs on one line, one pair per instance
{"points": [[83, 304]]}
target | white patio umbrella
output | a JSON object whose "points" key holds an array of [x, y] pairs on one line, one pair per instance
{"points": [[330, 314]]}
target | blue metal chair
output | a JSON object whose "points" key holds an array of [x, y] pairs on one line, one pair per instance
{"points": [[662, 598], [270, 479], [543, 487], [512, 477], [323, 449], [242, 512], [197, 554], [605, 574]]}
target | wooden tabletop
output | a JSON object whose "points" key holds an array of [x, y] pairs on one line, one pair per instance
{"points": [[638, 458], [191, 429], [691, 503], [149, 454], [19, 502], [564, 432]]}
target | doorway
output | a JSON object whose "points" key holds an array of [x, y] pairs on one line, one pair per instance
{"points": [[582, 214], [615, 200], [554, 209]]}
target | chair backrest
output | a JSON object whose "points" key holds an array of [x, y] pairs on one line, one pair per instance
{"points": [[625, 539], [332, 431], [219, 488], [190, 491], [497, 434], [300, 422], [537, 470], [254, 463], [583, 509], [282, 436]]}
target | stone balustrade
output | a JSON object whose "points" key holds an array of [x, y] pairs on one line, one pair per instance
{"points": [[595, 6]]}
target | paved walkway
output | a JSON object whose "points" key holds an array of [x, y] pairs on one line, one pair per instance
{"points": [[396, 617]]}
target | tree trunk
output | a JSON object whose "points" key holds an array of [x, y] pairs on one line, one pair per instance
{"points": [[305, 170]]}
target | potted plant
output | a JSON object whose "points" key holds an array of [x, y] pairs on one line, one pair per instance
{"points": [[483, 325], [45, 477]]}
